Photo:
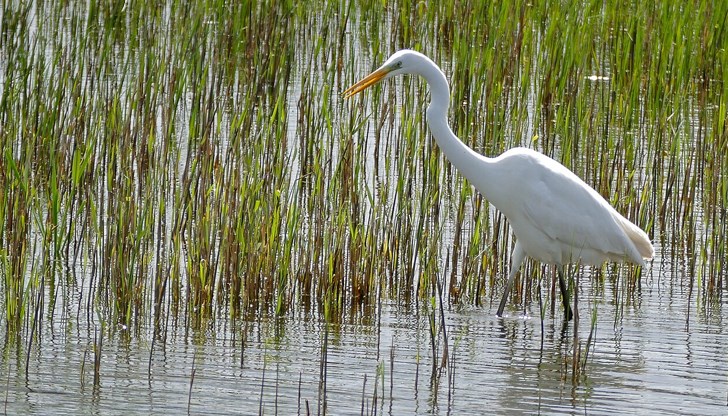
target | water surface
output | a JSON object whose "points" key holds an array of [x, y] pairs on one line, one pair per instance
{"points": [[655, 359]]}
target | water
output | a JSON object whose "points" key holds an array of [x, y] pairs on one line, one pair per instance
{"points": [[660, 357]]}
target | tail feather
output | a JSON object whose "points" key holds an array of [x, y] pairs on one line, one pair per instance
{"points": [[638, 238]]}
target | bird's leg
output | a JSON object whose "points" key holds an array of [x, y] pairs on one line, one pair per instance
{"points": [[568, 314], [516, 259]]}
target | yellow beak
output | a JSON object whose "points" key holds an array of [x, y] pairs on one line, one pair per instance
{"points": [[367, 82]]}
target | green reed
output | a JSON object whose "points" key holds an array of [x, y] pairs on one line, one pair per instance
{"points": [[175, 163]]}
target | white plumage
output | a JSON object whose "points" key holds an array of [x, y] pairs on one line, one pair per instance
{"points": [[556, 217]]}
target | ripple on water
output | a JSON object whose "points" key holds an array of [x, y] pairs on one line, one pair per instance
{"points": [[650, 362]]}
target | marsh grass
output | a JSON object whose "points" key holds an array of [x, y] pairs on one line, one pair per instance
{"points": [[175, 164]]}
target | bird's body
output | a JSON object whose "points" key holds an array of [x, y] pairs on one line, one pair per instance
{"points": [[556, 217]]}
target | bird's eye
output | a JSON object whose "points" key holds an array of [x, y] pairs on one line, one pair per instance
{"points": [[399, 64]]}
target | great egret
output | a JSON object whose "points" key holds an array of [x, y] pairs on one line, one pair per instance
{"points": [[556, 217]]}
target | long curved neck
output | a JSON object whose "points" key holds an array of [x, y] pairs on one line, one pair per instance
{"points": [[467, 161]]}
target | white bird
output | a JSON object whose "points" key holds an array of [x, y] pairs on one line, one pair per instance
{"points": [[556, 217]]}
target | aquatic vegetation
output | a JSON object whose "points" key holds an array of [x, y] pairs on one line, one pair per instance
{"points": [[176, 163]]}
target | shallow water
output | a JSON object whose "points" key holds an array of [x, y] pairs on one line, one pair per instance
{"points": [[656, 359]]}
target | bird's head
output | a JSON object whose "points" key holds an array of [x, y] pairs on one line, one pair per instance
{"points": [[405, 61]]}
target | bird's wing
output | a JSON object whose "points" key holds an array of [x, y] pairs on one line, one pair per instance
{"points": [[574, 215]]}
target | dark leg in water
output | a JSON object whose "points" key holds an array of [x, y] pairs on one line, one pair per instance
{"points": [[568, 314]]}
